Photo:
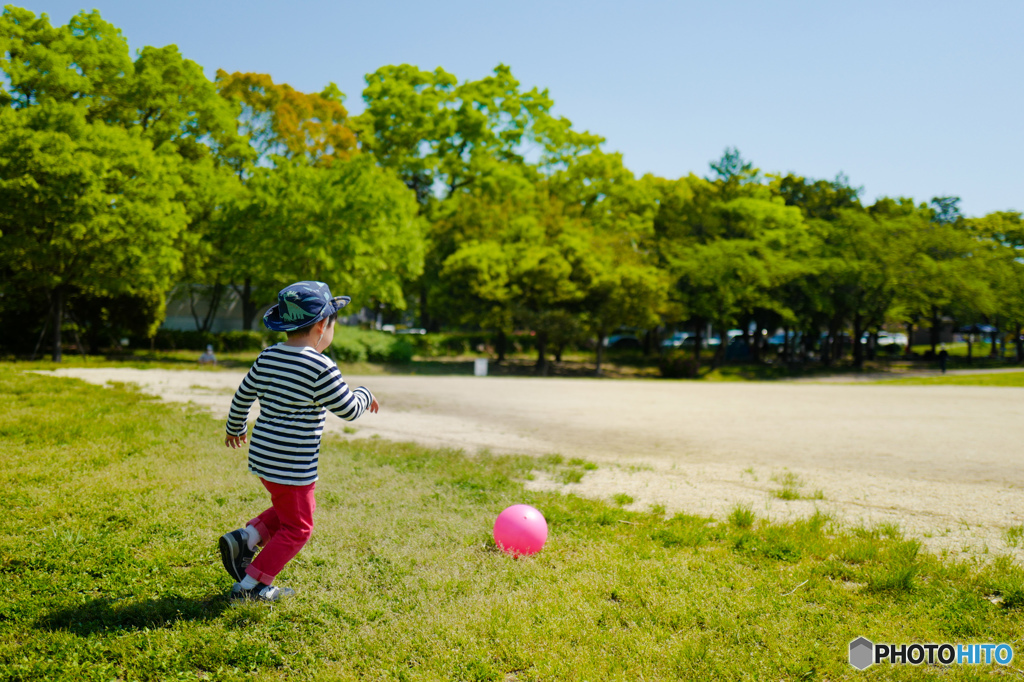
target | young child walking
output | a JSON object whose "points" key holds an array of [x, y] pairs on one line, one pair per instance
{"points": [[296, 385]]}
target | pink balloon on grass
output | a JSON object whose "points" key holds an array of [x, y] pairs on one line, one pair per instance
{"points": [[520, 530]]}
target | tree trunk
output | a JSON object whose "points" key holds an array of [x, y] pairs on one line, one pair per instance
{"points": [[935, 329], [785, 345], [910, 339], [970, 348], [1019, 343], [499, 345], [424, 317], [211, 312], [558, 353], [248, 307], [542, 343], [58, 313], [192, 308], [719, 356], [698, 342], [600, 353], [828, 348], [858, 347]]}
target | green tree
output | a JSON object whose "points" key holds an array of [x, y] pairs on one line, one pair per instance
{"points": [[437, 133], [85, 209], [1001, 238], [160, 96], [945, 277], [444, 138], [351, 224], [729, 244], [619, 274]]}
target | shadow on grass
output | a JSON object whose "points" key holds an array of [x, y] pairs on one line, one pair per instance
{"points": [[107, 614]]}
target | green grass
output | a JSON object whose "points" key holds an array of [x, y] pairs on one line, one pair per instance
{"points": [[114, 502], [1013, 379], [1014, 535], [958, 351]]}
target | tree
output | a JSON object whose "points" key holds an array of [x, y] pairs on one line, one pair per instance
{"points": [[729, 245], [85, 208], [439, 134], [281, 121], [443, 138], [351, 224], [623, 286], [1001, 236], [944, 276], [161, 97]]}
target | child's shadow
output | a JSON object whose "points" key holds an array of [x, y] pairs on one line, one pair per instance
{"points": [[106, 614]]}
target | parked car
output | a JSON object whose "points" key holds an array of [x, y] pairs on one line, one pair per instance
{"points": [[623, 342], [676, 340], [887, 339], [688, 340]]}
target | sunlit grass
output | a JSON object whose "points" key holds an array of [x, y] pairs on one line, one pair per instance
{"points": [[1012, 379], [114, 502]]}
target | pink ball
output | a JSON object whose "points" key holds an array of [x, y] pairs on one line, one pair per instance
{"points": [[520, 530]]}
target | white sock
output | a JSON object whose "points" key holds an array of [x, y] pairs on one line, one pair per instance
{"points": [[253, 536], [248, 582]]}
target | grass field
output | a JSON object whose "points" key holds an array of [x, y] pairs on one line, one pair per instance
{"points": [[1013, 379], [109, 565]]}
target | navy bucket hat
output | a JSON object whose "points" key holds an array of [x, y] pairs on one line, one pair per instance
{"points": [[301, 304]]}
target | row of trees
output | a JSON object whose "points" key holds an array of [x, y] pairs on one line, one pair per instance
{"points": [[462, 204]]}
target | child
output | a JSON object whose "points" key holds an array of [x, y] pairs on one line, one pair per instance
{"points": [[208, 358], [295, 385]]}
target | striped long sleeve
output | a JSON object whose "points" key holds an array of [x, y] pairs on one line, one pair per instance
{"points": [[295, 387], [238, 414]]}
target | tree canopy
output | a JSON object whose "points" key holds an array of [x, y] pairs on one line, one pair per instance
{"points": [[446, 203]]}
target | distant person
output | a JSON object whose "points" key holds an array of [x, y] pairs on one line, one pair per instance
{"points": [[943, 358], [296, 385], [208, 358]]}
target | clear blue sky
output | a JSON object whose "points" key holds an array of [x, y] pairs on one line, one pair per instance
{"points": [[907, 98]]}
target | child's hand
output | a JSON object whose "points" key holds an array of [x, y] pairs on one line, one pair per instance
{"points": [[374, 406], [235, 441]]}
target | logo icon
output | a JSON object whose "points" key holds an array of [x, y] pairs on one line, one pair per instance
{"points": [[861, 653]]}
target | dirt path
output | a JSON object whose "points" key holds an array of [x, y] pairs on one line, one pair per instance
{"points": [[942, 461]]}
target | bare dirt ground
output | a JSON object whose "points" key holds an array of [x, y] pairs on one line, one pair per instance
{"points": [[944, 462]]}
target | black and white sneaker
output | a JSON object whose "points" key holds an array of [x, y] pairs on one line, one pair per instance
{"points": [[267, 593], [235, 553]]}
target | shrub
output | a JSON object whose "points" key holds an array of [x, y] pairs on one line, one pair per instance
{"points": [[352, 344], [678, 365], [233, 341], [347, 346], [384, 347], [245, 340]]}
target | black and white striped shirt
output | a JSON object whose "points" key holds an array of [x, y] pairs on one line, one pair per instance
{"points": [[295, 386]]}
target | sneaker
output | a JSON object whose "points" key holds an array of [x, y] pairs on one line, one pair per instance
{"points": [[268, 593], [235, 553]]}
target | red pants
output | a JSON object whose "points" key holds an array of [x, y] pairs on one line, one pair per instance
{"points": [[284, 528]]}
